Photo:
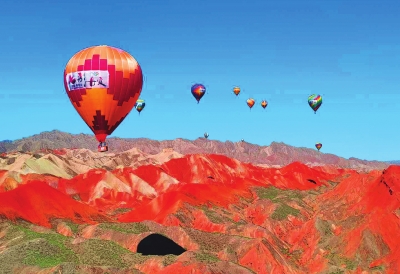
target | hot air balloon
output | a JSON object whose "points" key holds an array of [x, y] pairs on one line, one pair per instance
{"points": [[139, 105], [264, 104], [206, 135], [236, 90], [242, 140], [318, 146], [198, 91], [315, 101], [250, 102], [103, 84]]}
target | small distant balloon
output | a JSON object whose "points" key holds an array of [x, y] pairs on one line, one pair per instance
{"points": [[250, 102], [236, 90], [318, 146], [139, 105], [264, 104], [206, 135], [198, 91], [315, 101]]}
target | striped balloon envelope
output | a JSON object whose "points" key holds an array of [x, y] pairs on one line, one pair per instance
{"points": [[315, 101], [103, 84]]}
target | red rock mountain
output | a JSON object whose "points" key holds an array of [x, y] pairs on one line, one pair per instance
{"points": [[230, 216]]}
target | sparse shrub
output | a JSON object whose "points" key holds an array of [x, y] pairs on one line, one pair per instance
{"points": [[51, 254], [169, 259], [130, 228], [282, 211], [269, 193], [102, 252], [212, 216], [10, 161], [37, 156], [206, 257]]}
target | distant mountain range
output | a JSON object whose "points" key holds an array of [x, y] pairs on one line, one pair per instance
{"points": [[397, 162], [276, 154]]}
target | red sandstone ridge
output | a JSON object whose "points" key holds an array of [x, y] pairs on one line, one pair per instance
{"points": [[375, 199], [38, 202], [226, 213], [217, 180]]}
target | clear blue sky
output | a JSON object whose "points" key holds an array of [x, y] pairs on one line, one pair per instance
{"points": [[281, 51]]}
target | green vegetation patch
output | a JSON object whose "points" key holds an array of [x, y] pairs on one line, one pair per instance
{"points": [[50, 254], [230, 250], [282, 211], [295, 194], [46, 256], [22, 254], [206, 258], [169, 259], [284, 251], [210, 242], [13, 234], [101, 253], [31, 248], [121, 211], [336, 259], [279, 195], [338, 271], [137, 258], [378, 268], [269, 193], [130, 228], [332, 183], [324, 229], [212, 216], [350, 264]]}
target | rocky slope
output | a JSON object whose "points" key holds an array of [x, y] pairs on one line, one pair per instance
{"points": [[60, 214]]}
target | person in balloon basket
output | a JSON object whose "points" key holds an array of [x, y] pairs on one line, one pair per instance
{"points": [[102, 146]]}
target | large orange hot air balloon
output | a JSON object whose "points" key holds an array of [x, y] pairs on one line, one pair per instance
{"points": [[103, 84]]}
